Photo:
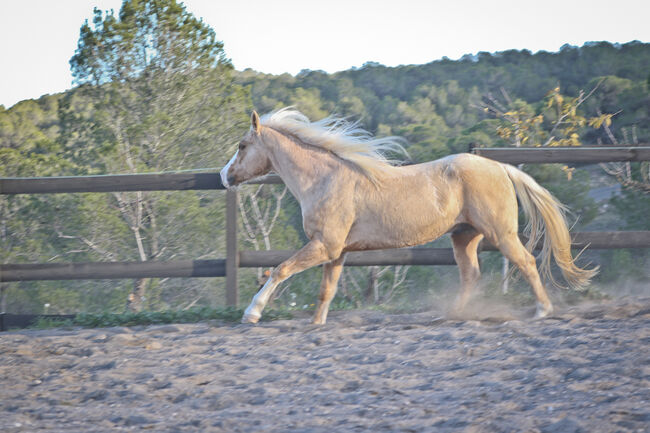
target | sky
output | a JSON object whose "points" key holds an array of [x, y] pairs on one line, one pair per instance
{"points": [[38, 37]]}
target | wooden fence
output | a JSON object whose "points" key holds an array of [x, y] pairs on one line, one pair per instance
{"points": [[234, 258]]}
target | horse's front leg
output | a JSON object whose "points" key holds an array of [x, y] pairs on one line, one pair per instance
{"points": [[312, 254]]}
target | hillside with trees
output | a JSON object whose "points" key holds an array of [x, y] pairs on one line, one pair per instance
{"points": [[156, 92]]}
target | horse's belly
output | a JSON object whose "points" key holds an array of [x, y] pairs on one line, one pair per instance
{"points": [[405, 228]]}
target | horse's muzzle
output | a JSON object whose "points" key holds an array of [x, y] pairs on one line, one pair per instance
{"points": [[226, 180]]}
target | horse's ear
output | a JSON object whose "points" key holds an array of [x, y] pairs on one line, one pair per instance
{"points": [[256, 125]]}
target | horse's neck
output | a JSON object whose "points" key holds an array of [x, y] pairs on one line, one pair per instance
{"points": [[300, 167]]}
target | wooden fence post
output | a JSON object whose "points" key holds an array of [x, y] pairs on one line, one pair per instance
{"points": [[3, 306], [3, 298], [232, 253]]}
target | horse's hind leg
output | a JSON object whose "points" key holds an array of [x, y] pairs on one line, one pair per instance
{"points": [[514, 250], [465, 242], [331, 275]]}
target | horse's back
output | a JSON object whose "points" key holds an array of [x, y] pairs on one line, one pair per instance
{"points": [[470, 173], [472, 189], [419, 203], [468, 164]]}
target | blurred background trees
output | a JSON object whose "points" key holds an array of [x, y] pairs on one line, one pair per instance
{"points": [[164, 99], [156, 92]]}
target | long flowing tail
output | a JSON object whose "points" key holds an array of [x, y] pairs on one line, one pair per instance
{"points": [[546, 219]]}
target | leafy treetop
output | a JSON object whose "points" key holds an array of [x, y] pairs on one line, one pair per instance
{"points": [[147, 36]]}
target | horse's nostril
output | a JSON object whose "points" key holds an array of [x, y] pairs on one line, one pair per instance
{"points": [[231, 180]]}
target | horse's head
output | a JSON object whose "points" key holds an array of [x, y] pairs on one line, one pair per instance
{"points": [[251, 159]]}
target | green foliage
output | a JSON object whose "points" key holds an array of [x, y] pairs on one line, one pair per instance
{"points": [[147, 38], [573, 192], [162, 99], [633, 208], [156, 94], [157, 317], [453, 90], [192, 315], [624, 265], [555, 121], [51, 322]]}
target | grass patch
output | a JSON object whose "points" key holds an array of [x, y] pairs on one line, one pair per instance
{"points": [[51, 322], [192, 315]]}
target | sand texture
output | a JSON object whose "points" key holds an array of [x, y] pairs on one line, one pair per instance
{"points": [[586, 369]]}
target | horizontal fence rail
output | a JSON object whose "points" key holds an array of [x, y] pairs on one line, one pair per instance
{"points": [[402, 256], [207, 181], [112, 270], [9, 321], [578, 154], [255, 259], [601, 240], [445, 256], [111, 183]]}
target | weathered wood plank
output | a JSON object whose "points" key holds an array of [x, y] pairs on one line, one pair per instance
{"points": [[112, 270], [271, 179], [217, 268], [600, 240], [111, 183], [402, 256], [582, 154], [444, 256], [611, 240], [9, 321], [203, 181]]}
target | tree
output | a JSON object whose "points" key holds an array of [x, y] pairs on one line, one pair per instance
{"points": [[28, 147], [633, 176], [155, 86], [556, 122], [260, 208], [163, 99]]}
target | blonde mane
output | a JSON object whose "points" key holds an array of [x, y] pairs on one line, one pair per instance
{"points": [[345, 139]]}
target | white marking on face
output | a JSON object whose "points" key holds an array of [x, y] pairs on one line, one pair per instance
{"points": [[224, 171]]}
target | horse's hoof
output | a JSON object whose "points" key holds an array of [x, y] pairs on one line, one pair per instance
{"points": [[543, 311], [250, 318]]}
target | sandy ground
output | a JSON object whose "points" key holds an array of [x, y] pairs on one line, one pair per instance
{"points": [[587, 369]]}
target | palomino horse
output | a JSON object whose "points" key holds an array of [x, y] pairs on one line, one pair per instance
{"points": [[353, 199]]}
